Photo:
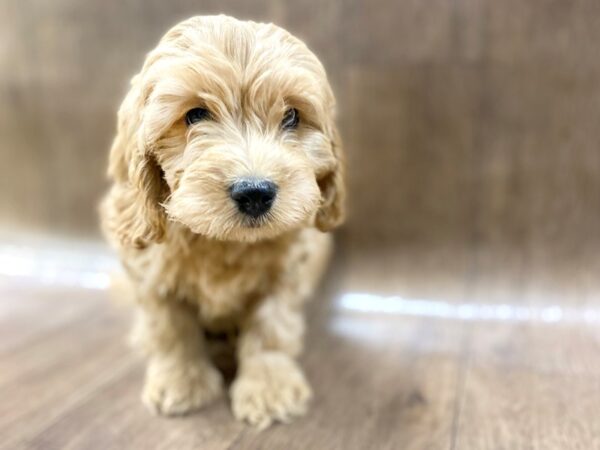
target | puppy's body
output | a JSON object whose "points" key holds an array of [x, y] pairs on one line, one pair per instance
{"points": [[223, 280], [227, 171]]}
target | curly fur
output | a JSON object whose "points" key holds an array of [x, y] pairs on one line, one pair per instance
{"points": [[195, 263]]}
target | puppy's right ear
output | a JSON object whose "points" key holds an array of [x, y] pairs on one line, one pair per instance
{"points": [[332, 211], [136, 216]]}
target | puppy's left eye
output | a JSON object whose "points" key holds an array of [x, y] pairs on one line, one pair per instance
{"points": [[196, 115], [290, 119]]}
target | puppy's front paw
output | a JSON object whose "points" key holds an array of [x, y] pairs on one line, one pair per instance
{"points": [[179, 389], [269, 387]]}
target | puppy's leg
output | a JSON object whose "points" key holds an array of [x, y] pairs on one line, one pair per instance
{"points": [[179, 377], [270, 384]]}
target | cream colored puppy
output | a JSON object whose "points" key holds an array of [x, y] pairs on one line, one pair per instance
{"points": [[227, 172]]}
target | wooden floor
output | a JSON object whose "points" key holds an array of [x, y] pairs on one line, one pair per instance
{"points": [[421, 349], [471, 132]]}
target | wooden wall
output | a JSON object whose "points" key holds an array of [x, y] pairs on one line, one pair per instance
{"points": [[465, 121]]}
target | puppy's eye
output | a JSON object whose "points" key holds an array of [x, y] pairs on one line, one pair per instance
{"points": [[196, 115], [290, 119]]}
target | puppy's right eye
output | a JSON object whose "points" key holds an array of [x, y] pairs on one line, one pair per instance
{"points": [[290, 119], [196, 115]]}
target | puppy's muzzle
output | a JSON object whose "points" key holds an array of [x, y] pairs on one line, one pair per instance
{"points": [[253, 197]]}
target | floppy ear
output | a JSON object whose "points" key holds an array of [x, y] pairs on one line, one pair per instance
{"points": [[333, 190], [136, 216]]}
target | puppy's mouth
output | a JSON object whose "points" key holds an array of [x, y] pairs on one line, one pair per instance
{"points": [[255, 222]]}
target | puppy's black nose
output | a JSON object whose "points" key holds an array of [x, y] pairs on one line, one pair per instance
{"points": [[253, 197]]}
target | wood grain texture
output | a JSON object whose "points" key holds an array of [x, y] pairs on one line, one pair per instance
{"points": [[471, 132], [397, 369], [466, 115]]}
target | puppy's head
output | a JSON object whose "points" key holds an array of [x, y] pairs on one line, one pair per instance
{"points": [[228, 130]]}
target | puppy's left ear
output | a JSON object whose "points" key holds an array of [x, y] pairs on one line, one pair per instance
{"points": [[333, 188], [136, 217]]}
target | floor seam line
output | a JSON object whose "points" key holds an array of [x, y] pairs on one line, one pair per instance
{"points": [[460, 390]]}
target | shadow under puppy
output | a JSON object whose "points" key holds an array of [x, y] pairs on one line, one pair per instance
{"points": [[227, 173]]}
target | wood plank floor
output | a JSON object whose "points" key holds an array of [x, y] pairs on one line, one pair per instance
{"points": [[420, 349]]}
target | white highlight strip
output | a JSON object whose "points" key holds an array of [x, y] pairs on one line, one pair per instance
{"points": [[63, 265], [396, 305]]}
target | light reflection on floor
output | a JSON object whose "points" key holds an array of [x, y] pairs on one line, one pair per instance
{"points": [[70, 265], [59, 265], [396, 305]]}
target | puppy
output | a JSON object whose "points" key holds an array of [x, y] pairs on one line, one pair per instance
{"points": [[227, 173]]}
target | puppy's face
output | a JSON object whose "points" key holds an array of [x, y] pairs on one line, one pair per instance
{"points": [[236, 135]]}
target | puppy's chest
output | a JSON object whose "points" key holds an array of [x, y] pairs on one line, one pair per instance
{"points": [[223, 281]]}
